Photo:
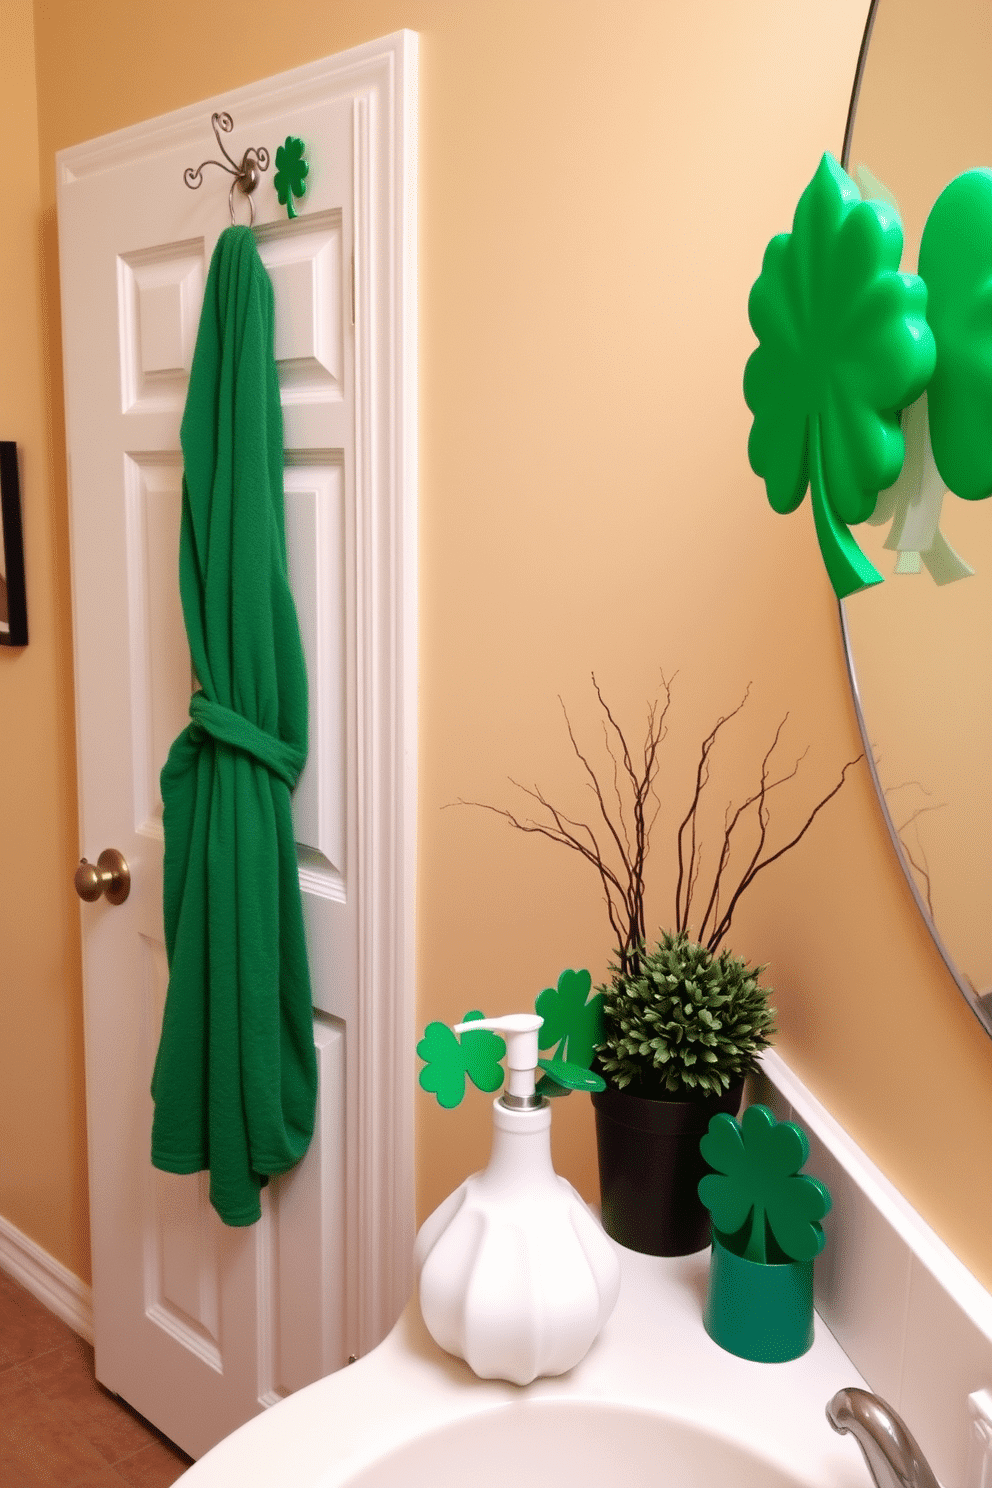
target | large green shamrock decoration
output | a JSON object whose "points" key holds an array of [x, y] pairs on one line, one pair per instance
{"points": [[291, 174], [447, 1060], [757, 1177], [843, 346], [956, 262]]}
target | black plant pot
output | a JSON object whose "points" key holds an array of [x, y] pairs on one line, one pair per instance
{"points": [[650, 1166]]}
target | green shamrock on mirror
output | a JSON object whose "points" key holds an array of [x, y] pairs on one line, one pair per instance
{"points": [[291, 174], [572, 1026], [844, 346], [947, 445], [763, 1208], [956, 264]]}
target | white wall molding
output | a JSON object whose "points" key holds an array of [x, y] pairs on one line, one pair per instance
{"points": [[910, 1316], [54, 1285], [385, 313]]}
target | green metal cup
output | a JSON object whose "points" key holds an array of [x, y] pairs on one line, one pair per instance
{"points": [[759, 1311]]}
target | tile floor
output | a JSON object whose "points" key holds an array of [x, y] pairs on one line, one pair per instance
{"points": [[58, 1427]]}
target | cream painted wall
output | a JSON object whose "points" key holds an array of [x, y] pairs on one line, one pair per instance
{"points": [[597, 187], [42, 1121]]}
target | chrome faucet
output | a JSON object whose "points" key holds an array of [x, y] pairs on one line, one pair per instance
{"points": [[893, 1457]]}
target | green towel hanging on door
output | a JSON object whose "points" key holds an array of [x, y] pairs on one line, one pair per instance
{"points": [[235, 1080]]}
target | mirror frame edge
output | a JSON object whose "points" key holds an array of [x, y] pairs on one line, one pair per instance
{"points": [[981, 1011]]}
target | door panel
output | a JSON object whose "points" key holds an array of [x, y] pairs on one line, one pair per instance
{"points": [[197, 1325], [160, 674], [308, 1286], [315, 524]]}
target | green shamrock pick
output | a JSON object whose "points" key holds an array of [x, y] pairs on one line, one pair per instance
{"points": [[291, 174], [956, 262], [844, 346], [572, 1028], [757, 1176], [560, 1078], [447, 1061]]}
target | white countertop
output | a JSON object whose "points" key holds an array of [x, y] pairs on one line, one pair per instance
{"points": [[653, 1353]]}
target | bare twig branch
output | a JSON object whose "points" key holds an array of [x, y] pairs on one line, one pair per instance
{"points": [[686, 874], [890, 790], [759, 799], [594, 786], [621, 814], [615, 912], [642, 789], [629, 819], [922, 869], [748, 879], [914, 816]]}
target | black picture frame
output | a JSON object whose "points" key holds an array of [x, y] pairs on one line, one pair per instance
{"points": [[13, 599]]}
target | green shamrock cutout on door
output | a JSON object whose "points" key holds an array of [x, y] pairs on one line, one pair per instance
{"points": [[291, 174], [844, 346], [956, 262], [447, 1060], [757, 1179]]}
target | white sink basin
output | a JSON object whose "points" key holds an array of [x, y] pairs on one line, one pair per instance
{"points": [[574, 1443], [654, 1402]]}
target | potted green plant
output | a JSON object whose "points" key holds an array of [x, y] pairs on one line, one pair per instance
{"points": [[681, 1030], [680, 1024]]}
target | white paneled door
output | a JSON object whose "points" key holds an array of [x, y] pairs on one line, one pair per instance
{"points": [[196, 1325]]}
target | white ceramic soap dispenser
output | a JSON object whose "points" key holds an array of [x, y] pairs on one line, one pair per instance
{"points": [[516, 1275]]}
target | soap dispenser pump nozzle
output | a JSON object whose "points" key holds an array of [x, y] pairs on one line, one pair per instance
{"points": [[520, 1032]]}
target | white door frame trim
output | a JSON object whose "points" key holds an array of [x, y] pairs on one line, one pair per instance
{"points": [[383, 73]]}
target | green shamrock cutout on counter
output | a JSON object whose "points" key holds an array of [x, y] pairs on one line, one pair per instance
{"points": [[573, 1025], [844, 346], [447, 1060], [572, 1028], [757, 1178], [956, 262], [291, 174]]}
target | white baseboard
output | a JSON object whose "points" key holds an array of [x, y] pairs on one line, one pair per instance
{"points": [[54, 1285]]}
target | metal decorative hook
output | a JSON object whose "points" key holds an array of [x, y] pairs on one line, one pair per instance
{"points": [[246, 175]]}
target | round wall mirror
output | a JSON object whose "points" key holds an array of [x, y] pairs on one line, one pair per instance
{"points": [[919, 645]]}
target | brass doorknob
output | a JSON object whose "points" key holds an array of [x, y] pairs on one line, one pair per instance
{"points": [[109, 876]]}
